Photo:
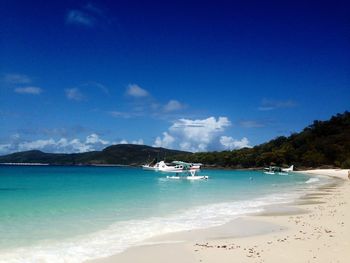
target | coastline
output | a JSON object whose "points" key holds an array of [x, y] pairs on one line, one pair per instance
{"points": [[314, 228]]}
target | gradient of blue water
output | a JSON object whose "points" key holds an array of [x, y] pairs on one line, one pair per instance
{"points": [[55, 203]]}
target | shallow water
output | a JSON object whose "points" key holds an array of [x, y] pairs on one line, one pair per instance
{"points": [[77, 213]]}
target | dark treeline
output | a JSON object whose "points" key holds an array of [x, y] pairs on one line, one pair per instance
{"points": [[324, 143]]}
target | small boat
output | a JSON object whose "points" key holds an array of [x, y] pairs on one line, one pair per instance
{"points": [[152, 166]]}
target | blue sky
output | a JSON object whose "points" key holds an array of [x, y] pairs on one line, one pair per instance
{"points": [[193, 75]]}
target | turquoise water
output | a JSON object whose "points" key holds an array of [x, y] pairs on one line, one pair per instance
{"points": [[55, 214]]}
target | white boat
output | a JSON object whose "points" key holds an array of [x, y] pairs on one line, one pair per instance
{"points": [[149, 167], [152, 166], [188, 175]]}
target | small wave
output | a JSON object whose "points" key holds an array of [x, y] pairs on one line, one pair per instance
{"points": [[121, 235], [312, 180]]}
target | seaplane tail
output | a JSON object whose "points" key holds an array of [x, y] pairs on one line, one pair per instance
{"points": [[290, 169]]}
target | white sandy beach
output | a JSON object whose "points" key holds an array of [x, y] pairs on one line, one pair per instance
{"points": [[315, 228]]}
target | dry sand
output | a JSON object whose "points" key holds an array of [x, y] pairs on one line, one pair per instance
{"points": [[315, 228]]}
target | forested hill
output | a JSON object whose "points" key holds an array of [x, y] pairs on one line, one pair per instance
{"points": [[323, 143], [125, 154]]}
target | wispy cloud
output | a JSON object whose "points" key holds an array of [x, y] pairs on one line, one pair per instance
{"points": [[17, 79], [93, 8], [29, 90], [134, 90], [78, 17], [268, 104], [19, 84], [121, 114], [251, 124], [173, 105], [88, 15], [74, 94], [144, 104]]}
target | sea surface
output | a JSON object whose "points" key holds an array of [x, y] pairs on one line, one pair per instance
{"points": [[72, 214]]}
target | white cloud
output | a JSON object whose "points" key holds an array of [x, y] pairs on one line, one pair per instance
{"points": [[29, 90], [74, 94], [94, 138], [92, 142], [139, 141], [230, 143], [165, 142], [17, 79], [194, 135], [123, 141], [200, 135], [78, 17], [135, 90], [173, 105], [197, 135]]}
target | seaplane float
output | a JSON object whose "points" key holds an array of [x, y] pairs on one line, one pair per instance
{"points": [[187, 172]]}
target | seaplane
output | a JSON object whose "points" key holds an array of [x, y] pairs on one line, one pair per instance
{"points": [[187, 173], [278, 170], [175, 166], [289, 169]]}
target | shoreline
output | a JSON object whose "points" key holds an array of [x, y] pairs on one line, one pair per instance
{"points": [[303, 227]]}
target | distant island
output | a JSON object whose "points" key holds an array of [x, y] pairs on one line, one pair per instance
{"points": [[120, 154], [323, 143]]}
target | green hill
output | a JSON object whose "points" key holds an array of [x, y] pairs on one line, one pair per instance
{"points": [[125, 154], [323, 143]]}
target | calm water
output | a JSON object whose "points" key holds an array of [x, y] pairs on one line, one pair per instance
{"points": [[55, 214]]}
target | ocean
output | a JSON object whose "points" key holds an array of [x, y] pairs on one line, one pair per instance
{"points": [[76, 213]]}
